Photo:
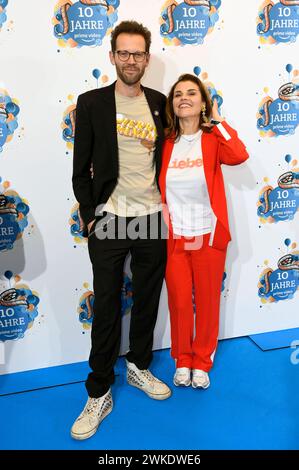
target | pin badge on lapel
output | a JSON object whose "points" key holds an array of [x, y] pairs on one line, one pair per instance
{"points": [[156, 113]]}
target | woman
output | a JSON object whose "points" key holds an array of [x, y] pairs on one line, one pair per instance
{"points": [[191, 184]]}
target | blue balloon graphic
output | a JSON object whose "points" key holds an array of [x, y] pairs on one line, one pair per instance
{"points": [[96, 73], [8, 274], [21, 207], [287, 242], [83, 316], [12, 108], [163, 28], [197, 70], [32, 299], [67, 133], [289, 68], [288, 158], [218, 98]]}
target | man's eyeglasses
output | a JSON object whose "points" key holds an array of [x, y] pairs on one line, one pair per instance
{"points": [[138, 56]]}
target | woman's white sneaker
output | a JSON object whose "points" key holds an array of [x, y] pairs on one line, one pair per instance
{"points": [[95, 410], [146, 381], [200, 379], [182, 377]]}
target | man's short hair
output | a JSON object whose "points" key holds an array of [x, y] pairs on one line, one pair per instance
{"points": [[131, 27]]}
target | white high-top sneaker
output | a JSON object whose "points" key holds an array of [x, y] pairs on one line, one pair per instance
{"points": [[146, 381], [200, 379], [95, 410], [182, 376]]}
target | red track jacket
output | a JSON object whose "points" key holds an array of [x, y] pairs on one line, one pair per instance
{"points": [[217, 148]]}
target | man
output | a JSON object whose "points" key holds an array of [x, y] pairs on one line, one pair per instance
{"points": [[119, 133]]}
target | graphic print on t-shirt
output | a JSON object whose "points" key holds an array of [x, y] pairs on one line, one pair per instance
{"points": [[144, 131], [185, 163], [186, 188]]}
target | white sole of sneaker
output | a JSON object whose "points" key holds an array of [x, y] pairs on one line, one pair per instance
{"points": [[178, 384], [201, 386], [87, 435], [153, 396]]}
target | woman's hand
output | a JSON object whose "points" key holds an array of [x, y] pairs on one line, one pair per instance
{"points": [[215, 115], [215, 112]]}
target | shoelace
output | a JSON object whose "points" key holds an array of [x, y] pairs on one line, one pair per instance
{"points": [[148, 375], [199, 374], [182, 371], [181, 375], [91, 406]]}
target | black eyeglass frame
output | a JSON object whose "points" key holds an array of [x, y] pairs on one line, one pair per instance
{"points": [[143, 54]]}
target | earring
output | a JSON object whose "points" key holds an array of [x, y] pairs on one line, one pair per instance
{"points": [[203, 113]]}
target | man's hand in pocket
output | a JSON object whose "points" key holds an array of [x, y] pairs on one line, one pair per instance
{"points": [[90, 225]]}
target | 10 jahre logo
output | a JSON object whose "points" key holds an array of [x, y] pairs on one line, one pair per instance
{"points": [[280, 203], [85, 22], [9, 111], [13, 216], [278, 23], [18, 309], [188, 21], [280, 116], [281, 283]]}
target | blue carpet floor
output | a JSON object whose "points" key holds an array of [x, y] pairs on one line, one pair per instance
{"points": [[252, 404], [276, 339]]}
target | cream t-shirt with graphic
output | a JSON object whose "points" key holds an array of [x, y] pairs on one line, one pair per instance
{"points": [[136, 192]]}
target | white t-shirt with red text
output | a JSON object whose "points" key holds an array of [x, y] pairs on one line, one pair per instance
{"points": [[186, 188]]}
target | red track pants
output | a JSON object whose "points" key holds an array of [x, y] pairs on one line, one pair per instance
{"points": [[201, 268]]}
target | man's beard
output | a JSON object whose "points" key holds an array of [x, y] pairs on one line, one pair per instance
{"points": [[130, 79]]}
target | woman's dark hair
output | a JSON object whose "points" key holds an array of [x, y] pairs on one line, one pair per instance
{"points": [[131, 27], [173, 129]]}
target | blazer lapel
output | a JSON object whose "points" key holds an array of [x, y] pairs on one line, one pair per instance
{"points": [[166, 155], [155, 112], [110, 123], [209, 161]]}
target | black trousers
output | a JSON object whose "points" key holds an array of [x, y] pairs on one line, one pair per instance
{"points": [[148, 261]]}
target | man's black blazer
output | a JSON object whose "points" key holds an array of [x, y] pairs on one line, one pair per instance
{"points": [[96, 144]]}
